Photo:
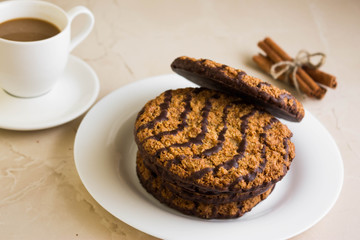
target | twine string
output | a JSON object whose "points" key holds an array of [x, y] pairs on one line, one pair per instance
{"points": [[289, 68]]}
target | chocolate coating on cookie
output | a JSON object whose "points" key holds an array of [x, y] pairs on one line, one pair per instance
{"points": [[207, 141], [207, 197], [212, 75]]}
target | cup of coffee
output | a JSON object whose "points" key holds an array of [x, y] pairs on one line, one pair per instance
{"points": [[35, 42]]}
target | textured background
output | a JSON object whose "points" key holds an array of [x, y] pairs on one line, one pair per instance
{"points": [[41, 195]]}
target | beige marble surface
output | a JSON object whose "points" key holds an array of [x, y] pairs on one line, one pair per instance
{"points": [[41, 194]]}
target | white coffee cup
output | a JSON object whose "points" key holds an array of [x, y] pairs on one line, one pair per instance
{"points": [[31, 69]]}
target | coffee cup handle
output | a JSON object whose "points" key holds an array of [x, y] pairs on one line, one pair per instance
{"points": [[88, 25]]}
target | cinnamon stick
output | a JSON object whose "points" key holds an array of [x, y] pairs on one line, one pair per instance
{"points": [[271, 52], [276, 58], [316, 74], [322, 92], [278, 49], [316, 90], [321, 77], [265, 64]]}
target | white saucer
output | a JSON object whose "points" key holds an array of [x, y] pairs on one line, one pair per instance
{"points": [[74, 93]]}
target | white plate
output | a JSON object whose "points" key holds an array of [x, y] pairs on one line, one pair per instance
{"points": [[72, 95], [105, 159]]}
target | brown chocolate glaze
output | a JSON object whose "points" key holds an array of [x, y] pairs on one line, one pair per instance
{"points": [[208, 197], [163, 115], [196, 140], [181, 126]]}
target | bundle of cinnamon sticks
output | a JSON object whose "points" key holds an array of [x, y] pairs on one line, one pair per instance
{"points": [[311, 81]]}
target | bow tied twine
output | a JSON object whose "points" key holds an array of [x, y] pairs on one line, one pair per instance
{"points": [[303, 58]]}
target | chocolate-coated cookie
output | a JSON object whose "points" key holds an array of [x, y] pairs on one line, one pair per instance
{"points": [[206, 141], [209, 74]]}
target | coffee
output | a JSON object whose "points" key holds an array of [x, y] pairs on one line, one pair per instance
{"points": [[27, 29]]}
